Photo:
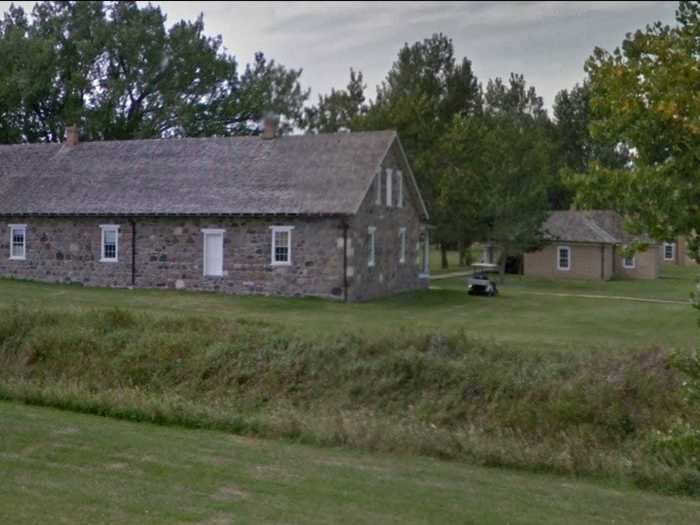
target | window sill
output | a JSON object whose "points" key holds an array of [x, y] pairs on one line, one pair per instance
{"points": [[281, 264], [563, 269], [214, 276], [109, 260], [18, 258]]}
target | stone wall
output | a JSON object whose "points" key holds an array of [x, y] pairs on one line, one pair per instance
{"points": [[387, 276], [169, 254]]}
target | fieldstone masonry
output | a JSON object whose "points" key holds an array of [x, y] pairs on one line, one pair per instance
{"points": [[169, 251]]}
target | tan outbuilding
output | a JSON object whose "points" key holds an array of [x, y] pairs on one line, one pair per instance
{"points": [[591, 245]]}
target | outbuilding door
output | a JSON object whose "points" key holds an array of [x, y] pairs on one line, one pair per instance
{"points": [[213, 253]]}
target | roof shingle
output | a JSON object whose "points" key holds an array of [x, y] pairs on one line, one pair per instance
{"points": [[309, 174], [594, 226]]}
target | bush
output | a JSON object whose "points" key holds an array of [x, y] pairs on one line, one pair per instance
{"points": [[445, 396]]}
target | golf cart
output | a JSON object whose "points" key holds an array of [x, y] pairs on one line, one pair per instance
{"points": [[479, 282]]}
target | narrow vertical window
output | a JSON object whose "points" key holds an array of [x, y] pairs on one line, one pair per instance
{"points": [[629, 262], [399, 176], [281, 245], [402, 245], [563, 258], [389, 177], [379, 188], [370, 246], [669, 251], [18, 242], [110, 243], [213, 252]]}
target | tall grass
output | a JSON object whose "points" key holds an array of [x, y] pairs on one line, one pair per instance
{"points": [[450, 396]]}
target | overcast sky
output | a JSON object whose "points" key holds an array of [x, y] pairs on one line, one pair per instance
{"points": [[546, 41]]}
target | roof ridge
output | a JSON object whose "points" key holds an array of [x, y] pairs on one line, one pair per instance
{"points": [[597, 228], [210, 137]]}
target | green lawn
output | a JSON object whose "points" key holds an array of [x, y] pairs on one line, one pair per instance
{"points": [[525, 313], [61, 467]]}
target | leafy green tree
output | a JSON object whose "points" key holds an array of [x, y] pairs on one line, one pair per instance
{"points": [[497, 169], [422, 93], [340, 109], [644, 95], [577, 150], [114, 68]]}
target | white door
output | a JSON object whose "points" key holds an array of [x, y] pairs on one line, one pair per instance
{"points": [[214, 254]]}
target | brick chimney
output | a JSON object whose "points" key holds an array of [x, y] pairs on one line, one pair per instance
{"points": [[271, 122], [72, 135]]}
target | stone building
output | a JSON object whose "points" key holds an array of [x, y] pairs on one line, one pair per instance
{"points": [[590, 245], [331, 215]]}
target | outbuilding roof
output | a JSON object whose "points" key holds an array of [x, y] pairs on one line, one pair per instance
{"points": [[325, 174], [589, 226]]}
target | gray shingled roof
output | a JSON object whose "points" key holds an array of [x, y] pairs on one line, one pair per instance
{"points": [[594, 226], [309, 174]]}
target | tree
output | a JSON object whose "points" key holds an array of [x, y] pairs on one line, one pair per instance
{"points": [[577, 150], [644, 96], [498, 168], [340, 109], [114, 68], [422, 93]]}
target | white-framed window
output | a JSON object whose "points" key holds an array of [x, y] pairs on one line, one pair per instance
{"points": [[629, 262], [402, 245], [109, 251], [389, 180], [281, 254], [669, 251], [370, 246], [399, 177], [213, 242], [378, 200], [564, 258], [18, 242]]}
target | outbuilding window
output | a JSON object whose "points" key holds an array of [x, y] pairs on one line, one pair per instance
{"points": [[629, 262], [402, 245], [110, 243], [370, 246], [669, 251], [563, 258], [18, 242], [281, 245]]}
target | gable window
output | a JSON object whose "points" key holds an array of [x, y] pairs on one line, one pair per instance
{"points": [[669, 251], [563, 258], [399, 177], [110, 243], [389, 180], [629, 262], [213, 252], [370, 246], [379, 188], [402, 243], [281, 245], [18, 242]]}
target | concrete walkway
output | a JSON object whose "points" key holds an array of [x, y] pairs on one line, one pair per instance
{"points": [[449, 275]]}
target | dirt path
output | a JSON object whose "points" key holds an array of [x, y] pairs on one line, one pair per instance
{"points": [[613, 297]]}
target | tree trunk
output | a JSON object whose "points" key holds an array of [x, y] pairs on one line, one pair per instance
{"points": [[502, 264], [443, 256], [462, 254]]}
